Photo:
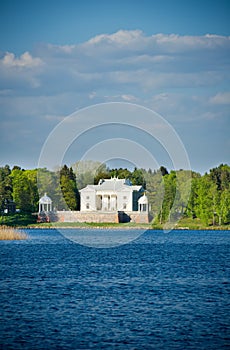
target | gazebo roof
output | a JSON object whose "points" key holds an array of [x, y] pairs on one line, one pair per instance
{"points": [[143, 200], [45, 200]]}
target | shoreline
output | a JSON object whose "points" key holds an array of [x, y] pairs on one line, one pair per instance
{"points": [[121, 228]]}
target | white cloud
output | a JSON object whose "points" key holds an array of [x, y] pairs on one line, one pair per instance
{"points": [[92, 95], [176, 43], [122, 37], [171, 74], [222, 98], [129, 98], [135, 40], [127, 62], [25, 60], [20, 73]]}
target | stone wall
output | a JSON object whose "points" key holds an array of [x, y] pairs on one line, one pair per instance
{"points": [[114, 217], [139, 217], [79, 216]]}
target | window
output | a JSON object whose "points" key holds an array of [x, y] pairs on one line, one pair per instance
{"points": [[87, 205], [87, 197], [124, 206], [124, 197]]}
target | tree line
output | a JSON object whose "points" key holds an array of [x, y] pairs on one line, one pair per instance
{"points": [[171, 194]]}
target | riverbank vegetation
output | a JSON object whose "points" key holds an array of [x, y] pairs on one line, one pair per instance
{"points": [[18, 219], [11, 234], [186, 197]]}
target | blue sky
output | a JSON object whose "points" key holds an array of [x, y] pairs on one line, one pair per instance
{"points": [[59, 56]]}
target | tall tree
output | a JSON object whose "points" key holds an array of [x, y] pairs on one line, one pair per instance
{"points": [[224, 207], [183, 189], [69, 187], [204, 203], [191, 209], [155, 191], [138, 178], [31, 175], [121, 173], [87, 172], [221, 176], [169, 195], [21, 190], [5, 187], [48, 182]]}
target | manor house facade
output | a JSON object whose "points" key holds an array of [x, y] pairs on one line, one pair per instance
{"points": [[111, 195], [112, 200]]}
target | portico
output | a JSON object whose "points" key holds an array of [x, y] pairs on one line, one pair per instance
{"points": [[111, 195], [106, 202]]}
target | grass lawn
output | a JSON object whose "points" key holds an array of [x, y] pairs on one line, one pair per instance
{"points": [[193, 224], [91, 225], [30, 221], [18, 219]]}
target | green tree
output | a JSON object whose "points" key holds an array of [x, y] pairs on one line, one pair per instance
{"points": [[221, 176], [204, 200], [169, 195], [220, 192], [5, 186], [166, 192], [33, 189], [183, 190], [102, 172], [155, 192], [49, 182], [191, 210], [121, 173], [163, 170], [21, 190], [69, 187], [89, 172], [224, 208], [138, 178]]}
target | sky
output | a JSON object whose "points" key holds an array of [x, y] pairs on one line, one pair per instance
{"points": [[57, 57]]}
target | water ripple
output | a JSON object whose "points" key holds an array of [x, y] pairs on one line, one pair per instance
{"points": [[159, 292]]}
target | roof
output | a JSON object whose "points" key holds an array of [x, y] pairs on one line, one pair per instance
{"points": [[45, 200], [143, 200], [113, 184]]}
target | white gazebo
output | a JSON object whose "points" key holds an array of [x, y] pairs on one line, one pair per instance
{"points": [[143, 204], [45, 204]]}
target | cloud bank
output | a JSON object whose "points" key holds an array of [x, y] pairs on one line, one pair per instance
{"points": [[185, 78]]}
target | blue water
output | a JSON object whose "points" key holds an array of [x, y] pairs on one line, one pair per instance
{"points": [[161, 291]]}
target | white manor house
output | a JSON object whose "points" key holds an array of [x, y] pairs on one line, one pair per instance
{"points": [[112, 195], [112, 200]]}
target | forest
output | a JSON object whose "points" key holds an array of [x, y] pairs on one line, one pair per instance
{"points": [[172, 194]]}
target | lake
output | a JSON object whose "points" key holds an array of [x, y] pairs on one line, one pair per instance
{"points": [[159, 291]]}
